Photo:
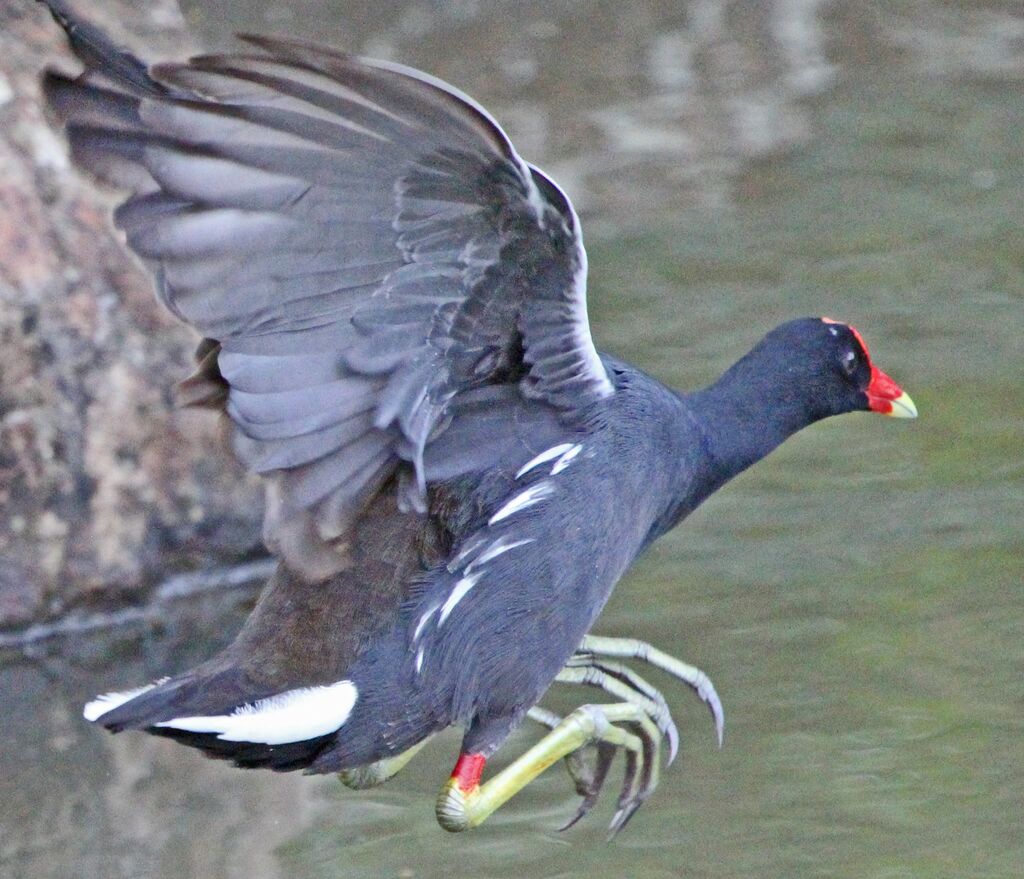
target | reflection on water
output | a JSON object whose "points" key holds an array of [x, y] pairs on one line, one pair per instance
{"points": [[857, 598]]}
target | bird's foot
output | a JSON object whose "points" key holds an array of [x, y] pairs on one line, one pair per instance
{"points": [[373, 774], [588, 765], [595, 651], [464, 802]]}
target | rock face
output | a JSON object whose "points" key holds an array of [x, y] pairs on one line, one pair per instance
{"points": [[103, 486]]}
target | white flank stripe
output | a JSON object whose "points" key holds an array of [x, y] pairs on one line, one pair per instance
{"points": [[419, 660], [471, 546], [109, 701], [293, 716], [534, 494], [501, 545], [543, 458], [566, 460], [423, 621], [458, 593]]}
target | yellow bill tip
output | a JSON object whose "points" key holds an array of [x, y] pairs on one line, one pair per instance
{"points": [[903, 407]]}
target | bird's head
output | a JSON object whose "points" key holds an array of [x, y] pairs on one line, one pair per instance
{"points": [[828, 364]]}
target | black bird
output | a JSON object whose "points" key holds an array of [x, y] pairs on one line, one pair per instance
{"points": [[392, 305]]}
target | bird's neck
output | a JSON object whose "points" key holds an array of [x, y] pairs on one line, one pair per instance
{"points": [[745, 415]]}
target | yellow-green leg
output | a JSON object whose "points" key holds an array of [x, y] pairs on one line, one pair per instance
{"points": [[372, 774], [464, 802]]}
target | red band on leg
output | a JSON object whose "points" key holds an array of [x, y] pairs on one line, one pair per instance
{"points": [[467, 771]]}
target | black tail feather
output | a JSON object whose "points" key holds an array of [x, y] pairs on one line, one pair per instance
{"points": [[250, 755], [209, 691]]}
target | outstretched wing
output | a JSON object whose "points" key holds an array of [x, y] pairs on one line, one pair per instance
{"points": [[358, 243]]}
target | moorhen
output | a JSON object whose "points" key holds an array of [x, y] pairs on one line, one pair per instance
{"points": [[393, 311]]}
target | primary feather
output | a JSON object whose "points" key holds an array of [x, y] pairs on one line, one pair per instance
{"points": [[361, 245]]}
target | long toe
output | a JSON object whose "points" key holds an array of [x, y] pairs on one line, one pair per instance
{"points": [[647, 696], [693, 677], [589, 769], [641, 777]]}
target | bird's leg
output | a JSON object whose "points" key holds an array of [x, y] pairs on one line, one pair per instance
{"points": [[464, 802], [630, 648], [372, 774], [541, 715]]}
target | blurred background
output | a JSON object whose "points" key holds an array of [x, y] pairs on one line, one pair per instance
{"points": [[857, 598]]}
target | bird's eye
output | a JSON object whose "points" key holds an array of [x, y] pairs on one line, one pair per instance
{"points": [[849, 362]]}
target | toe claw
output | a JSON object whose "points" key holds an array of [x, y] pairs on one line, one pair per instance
{"points": [[585, 807], [710, 697], [672, 734], [623, 816]]}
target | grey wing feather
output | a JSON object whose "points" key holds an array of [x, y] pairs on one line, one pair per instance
{"points": [[363, 244]]}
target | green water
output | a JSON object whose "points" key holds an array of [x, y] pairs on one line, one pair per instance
{"points": [[857, 598]]}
